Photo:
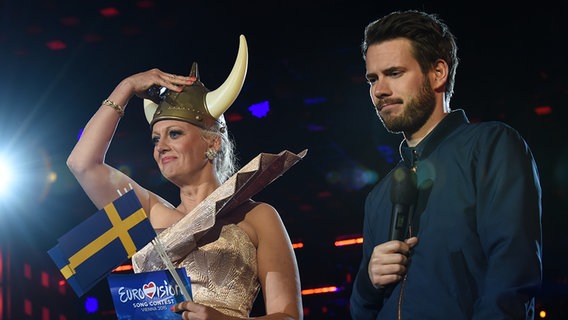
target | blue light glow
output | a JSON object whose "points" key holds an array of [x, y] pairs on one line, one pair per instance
{"points": [[260, 109], [5, 175], [315, 100], [387, 152], [91, 305]]}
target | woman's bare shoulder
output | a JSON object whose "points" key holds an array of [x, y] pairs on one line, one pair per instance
{"points": [[162, 213]]}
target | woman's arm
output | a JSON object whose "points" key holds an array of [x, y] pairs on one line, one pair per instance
{"points": [[87, 159], [277, 271], [277, 265]]}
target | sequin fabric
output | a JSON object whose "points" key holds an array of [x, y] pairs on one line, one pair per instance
{"points": [[223, 272]]}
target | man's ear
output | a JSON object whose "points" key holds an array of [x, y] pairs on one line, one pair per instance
{"points": [[439, 75]]}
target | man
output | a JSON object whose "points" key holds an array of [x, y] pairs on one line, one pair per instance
{"points": [[472, 245]]}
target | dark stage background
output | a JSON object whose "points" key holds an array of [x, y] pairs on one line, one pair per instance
{"points": [[60, 59]]}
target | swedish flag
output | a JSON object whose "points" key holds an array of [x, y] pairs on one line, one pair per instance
{"points": [[90, 251]]}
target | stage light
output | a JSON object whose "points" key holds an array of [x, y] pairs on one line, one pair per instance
{"points": [[91, 305], [352, 178], [322, 290], [109, 12], [315, 127], [388, 153], [348, 242], [316, 100], [26, 177], [233, 117], [51, 177], [5, 176], [543, 110], [260, 109], [124, 268], [56, 45]]}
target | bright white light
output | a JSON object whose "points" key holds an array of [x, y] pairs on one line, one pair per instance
{"points": [[5, 176], [24, 179]]}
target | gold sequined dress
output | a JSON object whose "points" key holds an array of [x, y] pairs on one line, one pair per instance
{"points": [[223, 272], [218, 256]]}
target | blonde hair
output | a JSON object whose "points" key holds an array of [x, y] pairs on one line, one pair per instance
{"points": [[225, 162]]}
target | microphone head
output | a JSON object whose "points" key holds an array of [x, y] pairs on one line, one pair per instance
{"points": [[403, 186]]}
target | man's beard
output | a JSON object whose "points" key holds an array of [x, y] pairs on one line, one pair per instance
{"points": [[414, 116]]}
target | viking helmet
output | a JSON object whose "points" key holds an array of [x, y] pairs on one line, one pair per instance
{"points": [[196, 104]]}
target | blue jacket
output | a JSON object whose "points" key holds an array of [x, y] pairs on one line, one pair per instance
{"points": [[478, 223]]}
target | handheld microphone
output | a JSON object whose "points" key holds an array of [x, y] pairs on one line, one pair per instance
{"points": [[404, 193]]}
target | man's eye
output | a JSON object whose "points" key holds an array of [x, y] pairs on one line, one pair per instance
{"points": [[395, 74]]}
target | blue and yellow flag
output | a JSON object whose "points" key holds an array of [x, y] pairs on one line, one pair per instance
{"points": [[90, 251]]}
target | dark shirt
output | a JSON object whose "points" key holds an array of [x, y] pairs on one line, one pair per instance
{"points": [[478, 223]]}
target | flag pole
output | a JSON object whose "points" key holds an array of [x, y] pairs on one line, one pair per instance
{"points": [[162, 252]]}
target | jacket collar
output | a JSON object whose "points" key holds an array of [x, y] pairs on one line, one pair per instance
{"points": [[450, 123]]}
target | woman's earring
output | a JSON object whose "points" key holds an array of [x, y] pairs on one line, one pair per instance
{"points": [[211, 154]]}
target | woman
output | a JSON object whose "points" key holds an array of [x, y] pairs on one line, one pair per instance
{"points": [[193, 151]]}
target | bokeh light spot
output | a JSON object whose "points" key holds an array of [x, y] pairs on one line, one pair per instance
{"points": [[260, 109]]}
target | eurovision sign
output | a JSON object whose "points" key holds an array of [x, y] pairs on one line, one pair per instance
{"points": [[147, 295]]}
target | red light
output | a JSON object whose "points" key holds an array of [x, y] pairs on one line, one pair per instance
{"points": [[543, 110], [45, 279], [62, 288], [321, 290], [297, 245], [56, 45], [126, 267], [348, 242], [109, 12], [27, 271], [234, 117], [28, 307], [45, 313]]}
